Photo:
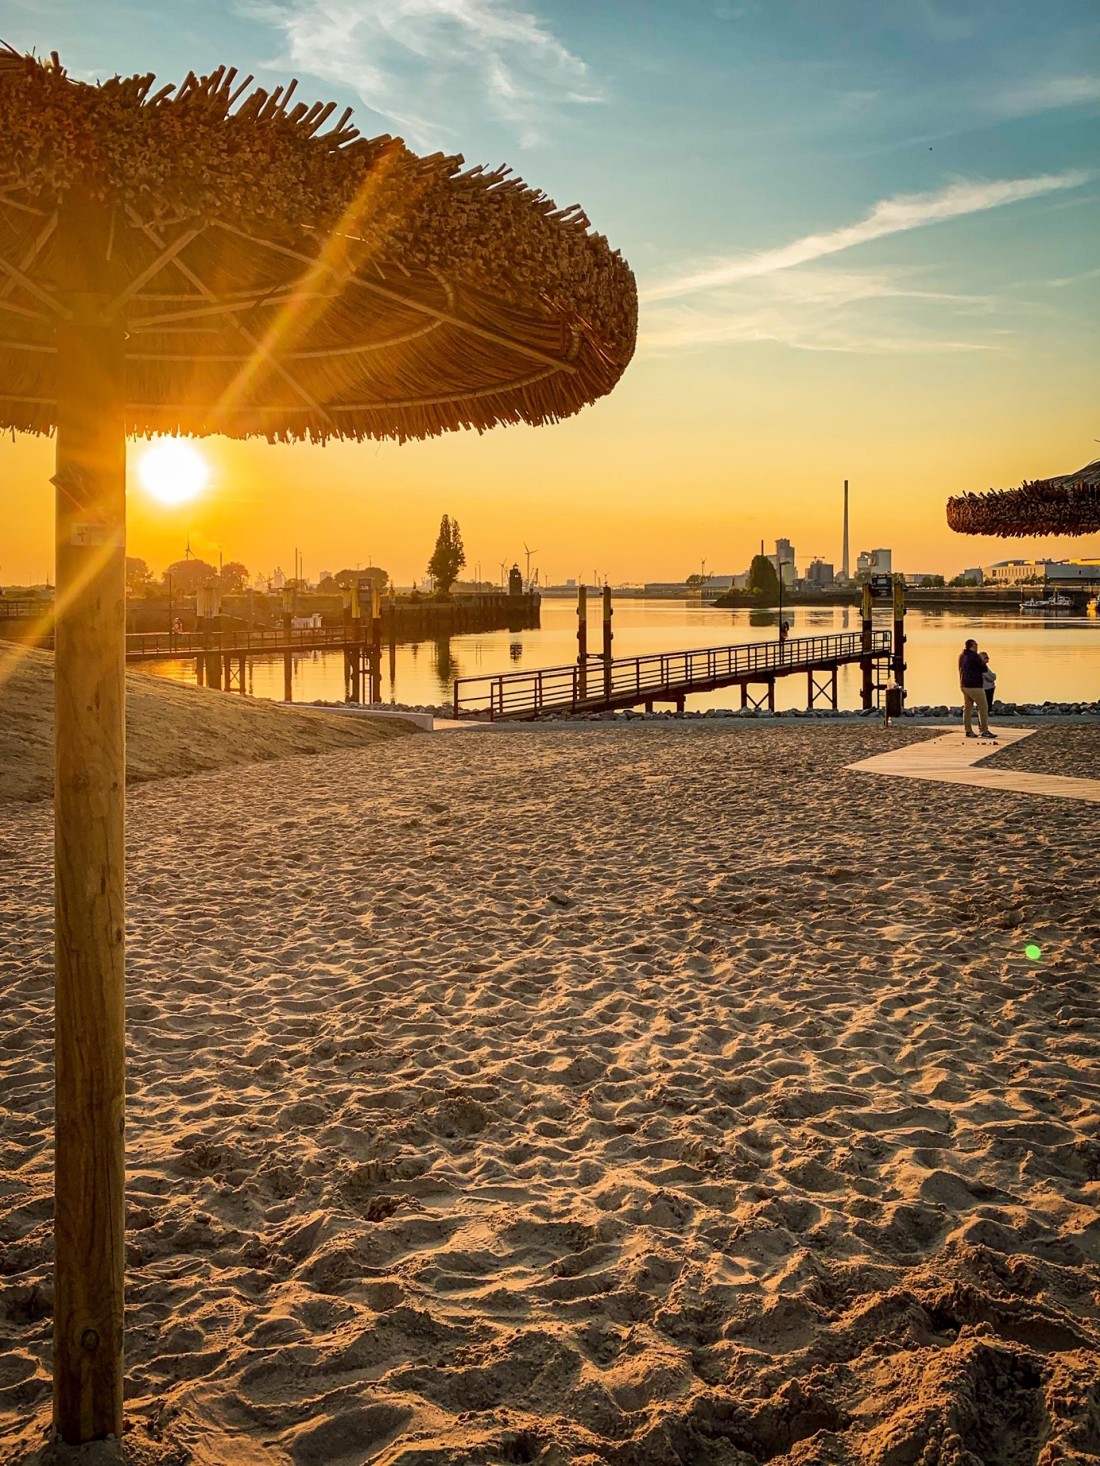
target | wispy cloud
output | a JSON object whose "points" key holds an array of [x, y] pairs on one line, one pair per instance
{"points": [[1065, 280], [423, 62], [1051, 94], [890, 216], [818, 308]]}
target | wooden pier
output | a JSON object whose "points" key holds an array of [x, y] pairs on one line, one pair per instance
{"points": [[603, 684], [222, 646], [222, 655]]}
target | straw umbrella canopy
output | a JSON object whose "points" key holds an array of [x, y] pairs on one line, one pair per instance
{"points": [[202, 259], [1068, 504]]}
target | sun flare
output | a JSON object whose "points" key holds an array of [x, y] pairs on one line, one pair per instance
{"points": [[173, 471]]}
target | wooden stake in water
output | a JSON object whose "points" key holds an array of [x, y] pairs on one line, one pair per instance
{"points": [[607, 640], [582, 642]]}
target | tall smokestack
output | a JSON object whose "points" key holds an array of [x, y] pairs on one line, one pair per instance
{"points": [[844, 558]]}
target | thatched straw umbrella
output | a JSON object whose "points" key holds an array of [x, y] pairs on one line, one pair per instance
{"points": [[1069, 504], [198, 260]]}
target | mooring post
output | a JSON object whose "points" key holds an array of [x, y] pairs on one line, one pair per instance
{"points": [[375, 642], [346, 613], [355, 650], [217, 638], [809, 691], [865, 663], [834, 689], [582, 642], [608, 637], [206, 609], [200, 632], [898, 659], [288, 656]]}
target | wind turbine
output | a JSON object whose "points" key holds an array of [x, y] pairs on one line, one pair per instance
{"points": [[528, 553]]}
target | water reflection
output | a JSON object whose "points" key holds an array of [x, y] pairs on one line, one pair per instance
{"points": [[1039, 658], [445, 665]]}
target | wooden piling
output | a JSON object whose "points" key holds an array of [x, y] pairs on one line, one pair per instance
{"points": [[866, 662], [375, 642], [897, 660], [608, 638], [582, 642], [89, 650], [356, 652], [288, 656]]}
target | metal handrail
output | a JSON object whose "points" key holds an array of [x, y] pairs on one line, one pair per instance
{"points": [[657, 674]]}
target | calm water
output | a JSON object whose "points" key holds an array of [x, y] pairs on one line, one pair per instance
{"points": [[1037, 658]]}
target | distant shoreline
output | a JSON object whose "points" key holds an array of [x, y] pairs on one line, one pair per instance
{"points": [[940, 598]]}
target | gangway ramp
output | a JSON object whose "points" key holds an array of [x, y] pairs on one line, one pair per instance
{"points": [[597, 685]]}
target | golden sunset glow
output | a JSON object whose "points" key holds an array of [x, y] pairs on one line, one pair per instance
{"points": [[173, 471]]}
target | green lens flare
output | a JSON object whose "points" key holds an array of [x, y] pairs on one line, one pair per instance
{"points": [[1032, 951]]}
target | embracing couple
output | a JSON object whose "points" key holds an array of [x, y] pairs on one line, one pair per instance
{"points": [[977, 681]]}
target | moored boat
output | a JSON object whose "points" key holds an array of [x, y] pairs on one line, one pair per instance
{"points": [[1055, 602]]}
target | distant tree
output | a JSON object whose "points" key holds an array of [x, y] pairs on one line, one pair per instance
{"points": [[932, 582], [763, 580], [345, 579], [234, 576], [448, 557], [138, 578], [697, 580], [961, 580], [188, 575]]}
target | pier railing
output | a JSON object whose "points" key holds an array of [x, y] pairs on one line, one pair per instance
{"points": [[660, 676], [148, 645]]}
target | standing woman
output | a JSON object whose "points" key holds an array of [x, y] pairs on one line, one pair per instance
{"points": [[989, 680]]}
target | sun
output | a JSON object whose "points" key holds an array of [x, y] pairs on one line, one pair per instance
{"points": [[173, 471]]}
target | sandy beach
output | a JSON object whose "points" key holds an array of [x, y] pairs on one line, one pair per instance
{"points": [[170, 730], [661, 1095]]}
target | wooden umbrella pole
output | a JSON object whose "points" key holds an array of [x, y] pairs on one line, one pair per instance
{"points": [[89, 849]]}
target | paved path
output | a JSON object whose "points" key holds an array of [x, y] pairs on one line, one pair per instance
{"points": [[954, 758]]}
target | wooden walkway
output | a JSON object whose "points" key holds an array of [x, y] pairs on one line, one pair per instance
{"points": [[159, 646], [953, 759], [596, 685]]}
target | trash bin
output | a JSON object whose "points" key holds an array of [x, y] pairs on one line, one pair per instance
{"points": [[894, 698]]}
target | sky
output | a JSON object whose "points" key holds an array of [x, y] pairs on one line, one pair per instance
{"points": [[864, 235]]}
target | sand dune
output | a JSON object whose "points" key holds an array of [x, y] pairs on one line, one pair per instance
{"points": [[633, 1095], [170, 729]]}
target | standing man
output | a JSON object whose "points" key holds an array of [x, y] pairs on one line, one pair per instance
{"points": [[971, 676]]}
